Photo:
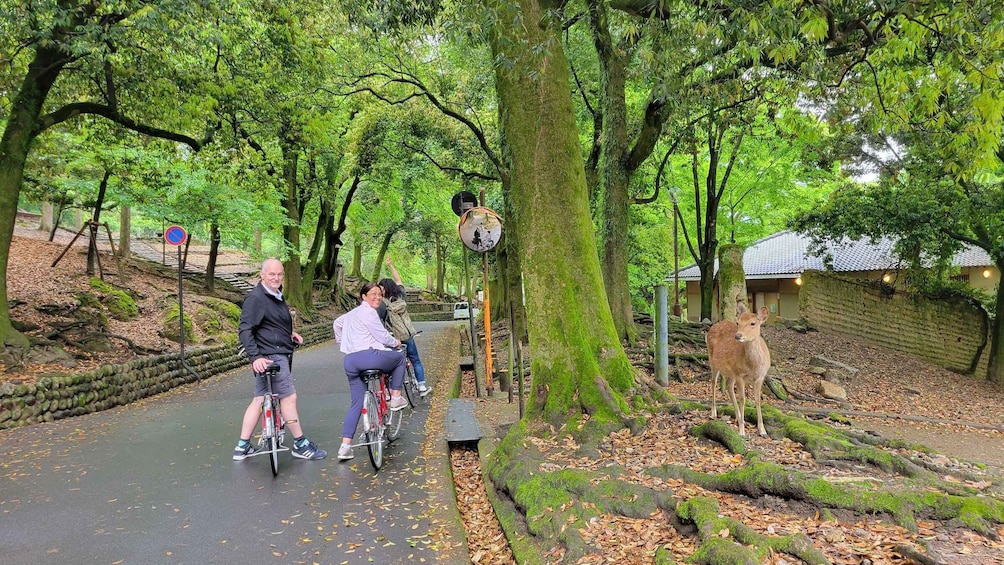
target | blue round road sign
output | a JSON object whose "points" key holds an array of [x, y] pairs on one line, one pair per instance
{"points": [[175, 235]]}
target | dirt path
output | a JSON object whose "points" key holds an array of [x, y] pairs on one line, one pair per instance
{"points": [[969, 444]]}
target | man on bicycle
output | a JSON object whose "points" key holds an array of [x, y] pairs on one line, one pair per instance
{"points": [[266, 332]]}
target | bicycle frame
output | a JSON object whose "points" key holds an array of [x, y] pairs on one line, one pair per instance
{"points": [[381, 391], [273, 426], [380, 424]]}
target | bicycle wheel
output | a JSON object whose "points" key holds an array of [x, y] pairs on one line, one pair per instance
{"points": [[271, 435], [373, 429], [411, 386], [392, 420]]}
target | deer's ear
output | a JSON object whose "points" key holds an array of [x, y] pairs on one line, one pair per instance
{"points": [[763, 314]]}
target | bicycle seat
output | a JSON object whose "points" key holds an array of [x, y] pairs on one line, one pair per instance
{"points": [[272, 368], [370, 374]]}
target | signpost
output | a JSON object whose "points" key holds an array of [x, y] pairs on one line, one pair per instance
{"points": [[177, 236], [461, 203], [480, 229]]}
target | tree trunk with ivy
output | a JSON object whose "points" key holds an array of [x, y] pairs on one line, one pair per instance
{"points": [[578, 364]]}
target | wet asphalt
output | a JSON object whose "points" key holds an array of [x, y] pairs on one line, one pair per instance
{"points": [[154, 482]]}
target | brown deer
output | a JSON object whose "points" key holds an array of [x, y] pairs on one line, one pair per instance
{"points": [[738, 353]]}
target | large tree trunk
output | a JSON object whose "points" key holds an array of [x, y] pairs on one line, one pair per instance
{"points": [[579, 365], [292, 284], [613, 175], [731, 281], [21, 129], [510, 269]]}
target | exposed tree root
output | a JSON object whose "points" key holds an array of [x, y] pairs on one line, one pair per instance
{"points": [[904, 504], [911, 552], [548, 504], [723, 433], [741, 545]]}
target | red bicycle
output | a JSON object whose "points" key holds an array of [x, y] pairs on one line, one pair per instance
{"points": [[381, 425]]}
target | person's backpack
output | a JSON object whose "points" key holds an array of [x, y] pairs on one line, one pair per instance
{"points": [[399, 321]]}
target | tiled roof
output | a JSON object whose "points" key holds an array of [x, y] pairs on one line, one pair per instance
{"points": [[784, 255]]}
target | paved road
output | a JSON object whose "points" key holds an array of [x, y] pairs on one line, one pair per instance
{"points": [[154, 482]]}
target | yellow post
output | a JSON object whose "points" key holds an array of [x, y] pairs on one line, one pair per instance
{"points": [[488, 327], [488, 312]]}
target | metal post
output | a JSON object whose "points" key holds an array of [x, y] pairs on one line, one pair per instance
{"points": [[662, 339], [181, 319], [470, 323]]}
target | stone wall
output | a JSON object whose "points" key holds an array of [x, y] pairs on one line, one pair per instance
{"points": [[951, 333], [56, 396]]}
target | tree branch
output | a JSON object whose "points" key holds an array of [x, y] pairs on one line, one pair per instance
{"points": [[457, 170], [77, 108], [405, 78]]}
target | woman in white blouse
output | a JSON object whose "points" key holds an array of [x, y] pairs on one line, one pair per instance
{"points": [[367, 345]]}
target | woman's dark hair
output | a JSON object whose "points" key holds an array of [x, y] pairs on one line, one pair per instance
{"points": [[391, 291], [366, 288]]}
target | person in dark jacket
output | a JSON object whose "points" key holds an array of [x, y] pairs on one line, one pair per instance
{"points": [[266, 332]]}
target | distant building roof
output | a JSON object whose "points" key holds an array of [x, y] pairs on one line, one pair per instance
{"points": [[784, 255]]}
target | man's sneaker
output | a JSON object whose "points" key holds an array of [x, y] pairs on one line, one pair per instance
{"points": [[308, 451], [398, 403], [345, 452], [422, 389], [242, 453]]}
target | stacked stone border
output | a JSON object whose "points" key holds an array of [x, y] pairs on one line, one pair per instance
{"points": [[57, 396], [948, 332]]}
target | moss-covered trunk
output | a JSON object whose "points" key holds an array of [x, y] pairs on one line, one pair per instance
{"points": [[21, 129], [614, 175], [731, 281], [578, 362]]}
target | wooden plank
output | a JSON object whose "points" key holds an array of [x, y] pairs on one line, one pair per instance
{"points": [[461, 423]]}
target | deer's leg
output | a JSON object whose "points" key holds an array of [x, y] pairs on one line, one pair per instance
{"points": [[714, 390], [757, 388], [739, 406]]}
